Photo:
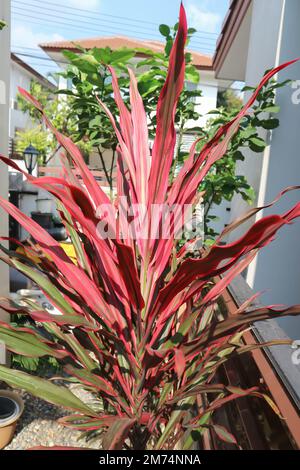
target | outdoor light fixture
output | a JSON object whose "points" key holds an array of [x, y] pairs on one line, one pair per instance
{"points": [[30, 158]]}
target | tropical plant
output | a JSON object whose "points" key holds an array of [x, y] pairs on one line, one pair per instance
{"points": [[90, 77], [138, 325]]}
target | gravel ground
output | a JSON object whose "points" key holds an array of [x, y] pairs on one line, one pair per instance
{"points": [[38, 425]]}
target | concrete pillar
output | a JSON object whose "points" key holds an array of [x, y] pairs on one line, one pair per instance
{"points": [[4, 127]]}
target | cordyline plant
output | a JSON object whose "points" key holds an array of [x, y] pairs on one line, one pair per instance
{"points": [[137, 325]]}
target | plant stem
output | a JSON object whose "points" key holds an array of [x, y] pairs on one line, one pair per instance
{"points": [[176, 159], [104, 168]]}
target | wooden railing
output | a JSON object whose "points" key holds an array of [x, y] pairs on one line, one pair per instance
{"points": [[276, 373]]}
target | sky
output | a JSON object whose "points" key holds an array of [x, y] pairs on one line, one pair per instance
{"points": [[39, 21]]}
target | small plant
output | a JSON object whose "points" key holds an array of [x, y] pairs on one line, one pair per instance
{"points": [[138, 323]]}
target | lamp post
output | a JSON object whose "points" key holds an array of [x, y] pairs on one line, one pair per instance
{"points": [[30, 158]]}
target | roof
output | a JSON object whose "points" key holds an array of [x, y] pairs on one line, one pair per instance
{"points": [[200, 61], [37, 75], [230, 27]]}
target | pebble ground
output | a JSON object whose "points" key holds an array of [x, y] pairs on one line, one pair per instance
{"points": [[38, 426]]}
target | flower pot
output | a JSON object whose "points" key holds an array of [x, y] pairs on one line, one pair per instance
{"points": [[11, 408], [44, 205]]}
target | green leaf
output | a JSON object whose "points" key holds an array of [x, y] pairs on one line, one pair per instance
{"points": [[169, 46], [2, 24], [164, 30], [225, 352], [223, 434], [179, 413], [29, 363], [238, 155], [102, 55], [192, 74], [270, 124], [194, 435], [44, 389], [45, 285], [117, 433], [271, 109], [70, 55], [282, 84], [94, 122], [80, 255], [248, 88], [248, 132], [121, 56], [79, 350], [257, 144], [88, 377], [27, 344]]}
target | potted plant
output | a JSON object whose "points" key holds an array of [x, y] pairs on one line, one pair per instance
{"points": [[11, 409]]}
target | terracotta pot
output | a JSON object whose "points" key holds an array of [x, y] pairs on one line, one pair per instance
{"points": [[11, 408]]}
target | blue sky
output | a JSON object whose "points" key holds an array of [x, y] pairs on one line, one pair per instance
{"points": [[36, 21]]}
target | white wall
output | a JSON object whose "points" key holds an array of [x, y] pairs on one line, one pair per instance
{"points": [[278, 266], [261, 53], [208, 101], [19, 77]]}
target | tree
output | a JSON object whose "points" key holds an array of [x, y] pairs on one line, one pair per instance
{"points": [[229, 100], [89, 72], [90, 77], [58, 111], [37, 137]]}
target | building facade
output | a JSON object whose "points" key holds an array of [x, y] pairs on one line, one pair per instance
{"points": [[258, 35]]}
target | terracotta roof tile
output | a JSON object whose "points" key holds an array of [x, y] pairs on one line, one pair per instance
{"points": [[118, 42]]}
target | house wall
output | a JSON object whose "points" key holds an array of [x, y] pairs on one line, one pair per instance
{"points": [[263, 38], [274, 39], [18, 119], [4, 106], [207, 102]]}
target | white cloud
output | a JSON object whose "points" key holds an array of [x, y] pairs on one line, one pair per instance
{"points": [[86, 4], [24, 36], [202, 19]]}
